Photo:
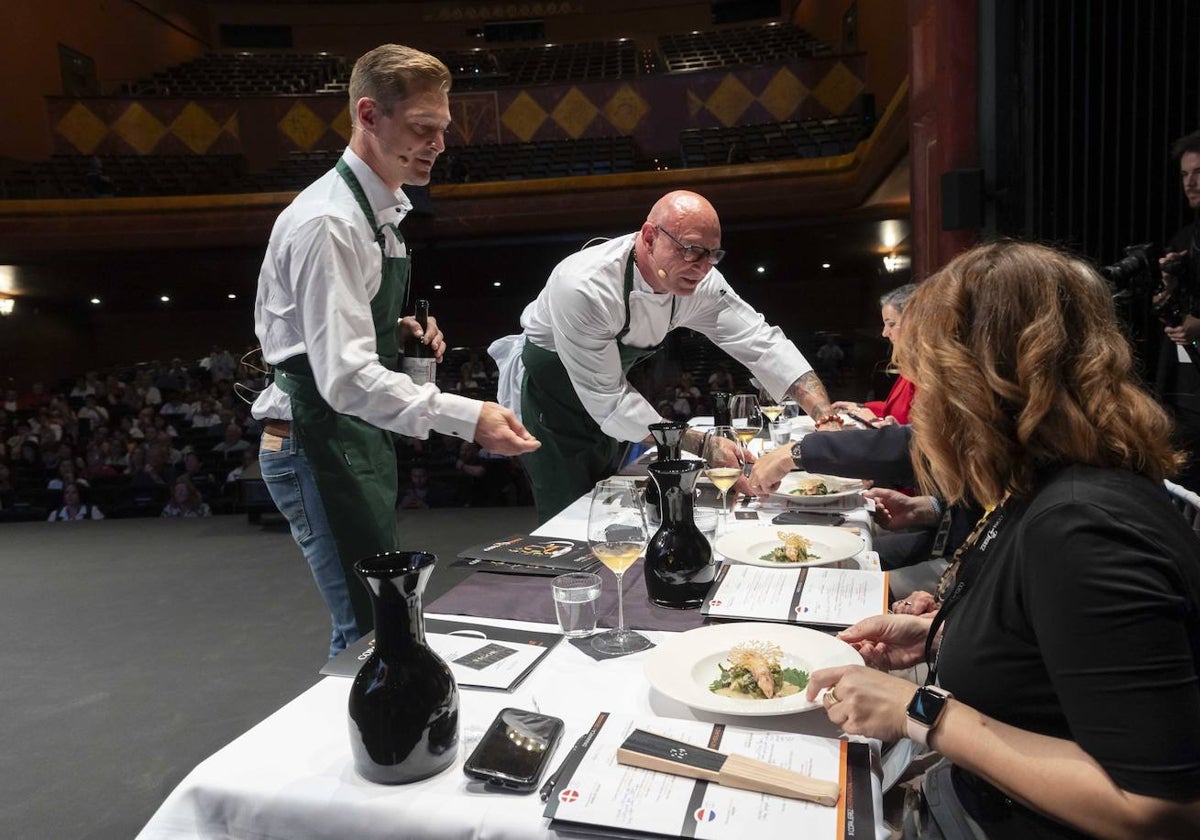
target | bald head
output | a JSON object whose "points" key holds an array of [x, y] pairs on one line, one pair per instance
{"points": [[684, 209], [678, 221]]}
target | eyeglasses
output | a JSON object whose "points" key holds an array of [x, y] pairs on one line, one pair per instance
{"points": [[694, 253]]}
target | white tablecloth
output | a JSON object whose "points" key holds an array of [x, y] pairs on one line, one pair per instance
{"points": [[292, 776]]}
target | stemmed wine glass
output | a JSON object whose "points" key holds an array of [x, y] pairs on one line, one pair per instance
{"points": [[617, 536], [769, 406], [747, 417], [724, 461]]}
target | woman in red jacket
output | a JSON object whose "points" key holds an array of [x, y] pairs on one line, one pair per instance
{"points": [[895, 408]]}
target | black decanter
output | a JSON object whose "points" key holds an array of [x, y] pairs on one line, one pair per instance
{"points": [[404, 702], [668, 437], [679, 566]]}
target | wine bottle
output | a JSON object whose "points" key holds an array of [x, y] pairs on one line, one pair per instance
{"points": [[419, 361], [721, 408]]}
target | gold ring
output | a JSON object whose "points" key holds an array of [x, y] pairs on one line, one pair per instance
{"points": [[832, 693]]}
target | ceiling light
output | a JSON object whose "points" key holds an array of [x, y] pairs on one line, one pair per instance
{"points": [[762, 269], [826, 265], [95, 301], [165, 299], [231, 296], [437, 287], [497, 283], [6, 306]]}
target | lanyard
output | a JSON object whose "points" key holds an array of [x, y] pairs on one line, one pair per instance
{"points": [[970, 558]]}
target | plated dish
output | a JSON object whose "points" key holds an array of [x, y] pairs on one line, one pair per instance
{"points": [[815, 489], [755, 545], [684, 667]]}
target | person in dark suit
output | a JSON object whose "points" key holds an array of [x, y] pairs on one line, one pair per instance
{"points": [[921, 532]]}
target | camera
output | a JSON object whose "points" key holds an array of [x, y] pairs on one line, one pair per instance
{"points": [[1136, 272]]}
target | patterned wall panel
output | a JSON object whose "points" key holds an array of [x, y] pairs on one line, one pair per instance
{"points": [[653, 110], [143, 127]]}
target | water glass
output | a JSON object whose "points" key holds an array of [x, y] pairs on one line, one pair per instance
{"points": [[706, 520], [781, 432], [576, 596]]}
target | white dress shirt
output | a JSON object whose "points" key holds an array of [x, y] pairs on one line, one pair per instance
{"points": [[320, 272], [582, 308]]}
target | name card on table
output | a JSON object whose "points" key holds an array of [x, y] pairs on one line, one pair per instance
{"points": [[479, 655], [813, 595], [616, 800]]}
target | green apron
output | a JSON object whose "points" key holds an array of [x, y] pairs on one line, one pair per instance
{"points": [[575, 453], [354, 462]]}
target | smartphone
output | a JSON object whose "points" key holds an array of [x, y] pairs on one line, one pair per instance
{"points": [[515, 750], [862, 421]]}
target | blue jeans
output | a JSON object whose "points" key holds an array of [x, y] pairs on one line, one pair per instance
{"points": [[290, 482]]}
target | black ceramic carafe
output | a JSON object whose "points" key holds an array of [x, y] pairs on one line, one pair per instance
{"points": [[404, 702], [722, 414], [669, 439], [679, 568]]}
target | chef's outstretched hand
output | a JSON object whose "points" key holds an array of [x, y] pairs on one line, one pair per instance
{"points": [[499, 431]]}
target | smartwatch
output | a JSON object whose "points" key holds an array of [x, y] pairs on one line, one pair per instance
{"points": [[924, 711], [796, 455]]}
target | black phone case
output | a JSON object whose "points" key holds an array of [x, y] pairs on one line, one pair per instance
{"points": [[496, 776]]}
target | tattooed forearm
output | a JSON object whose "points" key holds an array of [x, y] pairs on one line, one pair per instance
{"points": [[810, 393]]}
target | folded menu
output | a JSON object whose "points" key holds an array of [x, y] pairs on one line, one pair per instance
{"points": [[595, 793], [479, 655], [812, 595], [520, 554]]}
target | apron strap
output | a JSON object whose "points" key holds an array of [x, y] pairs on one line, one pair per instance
{"points": [[629, 290], [360, 196]]}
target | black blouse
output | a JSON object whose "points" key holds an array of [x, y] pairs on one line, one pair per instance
{"points": [[1083, 623]]}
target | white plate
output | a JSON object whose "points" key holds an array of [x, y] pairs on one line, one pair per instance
{"points": [[748, 545], [839, 488], [683, 666]]}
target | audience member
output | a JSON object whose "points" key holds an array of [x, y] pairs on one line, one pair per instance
{"points": [[185, 502], [95, 466], [233, 442], [206, 416], [221, 364], [92, 411], [830, 357], [82, 388], [36, 398], [419, 493], [721, 379], [7, 490], [66, 475], [176, 408], [74, 509], [195, 472]]}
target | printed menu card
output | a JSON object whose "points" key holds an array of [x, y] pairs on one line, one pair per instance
{"points": [[813, 595], [479, 655], [617, 800]]}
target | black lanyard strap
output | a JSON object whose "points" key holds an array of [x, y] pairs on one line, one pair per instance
{"points": [[968, 563]]}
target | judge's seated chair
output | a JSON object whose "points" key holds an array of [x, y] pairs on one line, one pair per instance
{"points": [[1188, 503]]}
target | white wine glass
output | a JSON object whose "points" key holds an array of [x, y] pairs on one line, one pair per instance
{"points": [[747, 417], [724, 461], [617, 535], [770, 407]]}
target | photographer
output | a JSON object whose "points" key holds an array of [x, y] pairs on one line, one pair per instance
{"points": [[1178, 380]]}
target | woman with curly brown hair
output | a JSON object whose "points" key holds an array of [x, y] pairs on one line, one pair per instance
{"points": [[1068, 646]]}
